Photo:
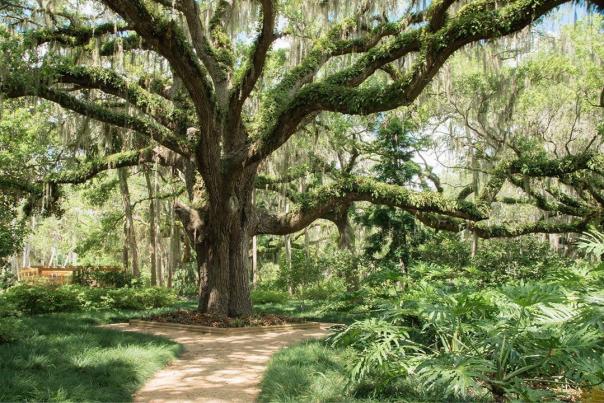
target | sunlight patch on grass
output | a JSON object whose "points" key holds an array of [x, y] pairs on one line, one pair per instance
{"points": [[306, 372]]}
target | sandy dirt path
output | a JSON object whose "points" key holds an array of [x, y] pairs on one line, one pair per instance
{"points": [[215, 368]]}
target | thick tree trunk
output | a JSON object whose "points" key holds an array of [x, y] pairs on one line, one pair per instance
{"points": [[222, 251], [222, 260]]}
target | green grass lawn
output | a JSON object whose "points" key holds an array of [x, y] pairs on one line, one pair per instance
{"points": [[67, 357], [308, 372]]}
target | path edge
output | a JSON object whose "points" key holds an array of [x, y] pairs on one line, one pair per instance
{"points": [[222, 331]]}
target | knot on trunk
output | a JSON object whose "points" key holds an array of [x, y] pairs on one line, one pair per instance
{"points": [[233, 204]]}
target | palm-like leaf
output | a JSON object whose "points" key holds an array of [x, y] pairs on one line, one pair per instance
{"points": [[592, 243]]}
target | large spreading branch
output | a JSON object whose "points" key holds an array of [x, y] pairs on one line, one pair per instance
{"points": [[17, 88], [114, 84], [487, 229], [255, 64], [440, 212], [88, 169], [478, 20], [165, 36], [73, 35], [82, 171], [325, 199], [190, 9]]}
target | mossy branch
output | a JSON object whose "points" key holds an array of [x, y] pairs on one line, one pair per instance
{"points": [[112, 83], [72, 36], [168, 39], [322, 200], [478, 20], [486, 229], [17, 87]]}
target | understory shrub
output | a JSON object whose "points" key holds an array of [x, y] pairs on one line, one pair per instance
{"points": [[7, 277], [38, 299], [444, 248], [102, 278], [520, 258], [261, 296], [324, 290], [302, 271], [139, 298], [185, 280], [496, 260], [450, 340]]}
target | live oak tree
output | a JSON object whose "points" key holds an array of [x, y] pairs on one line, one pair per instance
{"points": [[183, 76]]}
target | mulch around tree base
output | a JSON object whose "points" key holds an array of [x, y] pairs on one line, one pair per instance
{"points": [[186, 317]]}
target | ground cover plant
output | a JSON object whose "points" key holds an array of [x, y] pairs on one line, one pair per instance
{"points": [[41, 298], [455, 339], [68, 357]]}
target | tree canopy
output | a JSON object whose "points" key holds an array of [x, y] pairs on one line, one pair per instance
{"points": [[216, 90]]}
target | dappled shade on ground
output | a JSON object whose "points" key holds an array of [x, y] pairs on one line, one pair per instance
{"points": [[216, 369], [67, 357]]}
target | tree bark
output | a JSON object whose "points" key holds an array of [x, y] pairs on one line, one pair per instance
{"points": [[345, 230], [156, 203], [152, 235], [221, 238], [131, 250]]}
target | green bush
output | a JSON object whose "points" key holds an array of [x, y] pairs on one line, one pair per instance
{"points": [[138, 298], [269, 297], [103, 278], [7, 308], [323, 291], [36, 299], [303, 271], [185, 280], [444, 249], [521, 258], [7, 278]]}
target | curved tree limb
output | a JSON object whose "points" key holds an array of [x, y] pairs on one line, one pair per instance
{"points": [[476, 21], [20, 88], [324, 199], [168, 39]]}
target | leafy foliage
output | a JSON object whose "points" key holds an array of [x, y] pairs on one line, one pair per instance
{"points": [[37, 299], [269, 297], [103, 278], [396, 143], [592, 244], [460, 342]]}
